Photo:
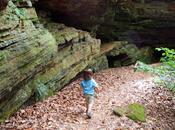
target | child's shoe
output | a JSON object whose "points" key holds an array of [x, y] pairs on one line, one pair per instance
{"points": [[89, 115]]}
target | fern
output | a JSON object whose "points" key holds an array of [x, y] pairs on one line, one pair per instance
{"points": [[42, 91]]}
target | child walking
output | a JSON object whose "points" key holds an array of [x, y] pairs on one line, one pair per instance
{"points": [[89, 85]]}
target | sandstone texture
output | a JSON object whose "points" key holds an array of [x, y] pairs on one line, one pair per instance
{"points": [[39, 56], [142, 22], [33, 54]]}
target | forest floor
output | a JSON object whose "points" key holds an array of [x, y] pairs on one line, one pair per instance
{"points": [[118, 87]]}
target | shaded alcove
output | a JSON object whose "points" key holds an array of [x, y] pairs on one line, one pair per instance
{"points": [[117, 61], [143, 31]]}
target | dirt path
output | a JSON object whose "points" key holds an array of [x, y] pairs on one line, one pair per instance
{"points": [[120, 86]]}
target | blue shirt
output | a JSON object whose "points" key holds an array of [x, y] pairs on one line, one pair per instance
{"points": [[88, 86]]}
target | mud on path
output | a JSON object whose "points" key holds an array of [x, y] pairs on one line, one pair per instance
{"points": [[119, 86]]}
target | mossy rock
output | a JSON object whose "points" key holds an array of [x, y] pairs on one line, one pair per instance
{"points": [[147, 54], [42, 91], [135, 112], [120, 111]]}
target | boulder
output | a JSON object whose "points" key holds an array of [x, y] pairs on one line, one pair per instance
{"points": [[135, 112], [123, 54]]}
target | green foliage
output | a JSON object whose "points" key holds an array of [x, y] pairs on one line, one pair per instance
{"points": [[168, 56], [42, 91], [20, 13], [140, 66], [94, 30], [166, 70]]}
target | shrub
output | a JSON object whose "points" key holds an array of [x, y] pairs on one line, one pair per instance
{"points": [[165, 71]]}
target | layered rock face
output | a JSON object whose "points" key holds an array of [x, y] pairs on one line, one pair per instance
{"points": [[37, 54], [32, 56], [142, 22], [75, 10]]}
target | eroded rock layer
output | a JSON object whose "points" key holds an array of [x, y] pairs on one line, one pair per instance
{"points": [[31, 56], [40, 54], [142, 22]]}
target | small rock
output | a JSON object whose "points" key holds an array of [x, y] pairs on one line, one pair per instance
{"points": [[134, 111]]}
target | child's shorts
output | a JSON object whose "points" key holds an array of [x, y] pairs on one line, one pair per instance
{"points": [[89, 98]]}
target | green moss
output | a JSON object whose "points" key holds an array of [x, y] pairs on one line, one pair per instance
{"points": [[134, 111], [12, 105], [42, 91], [146, 55], [2, 56], [99, 63]]}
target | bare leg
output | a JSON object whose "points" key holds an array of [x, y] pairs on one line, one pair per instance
{"points": [[89, 106]]}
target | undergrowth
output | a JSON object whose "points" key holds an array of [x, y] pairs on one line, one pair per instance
{"points": [[165, 71]]}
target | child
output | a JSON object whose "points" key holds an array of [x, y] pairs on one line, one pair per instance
{"points": [[89, 84]]}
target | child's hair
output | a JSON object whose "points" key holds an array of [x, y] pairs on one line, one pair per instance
{"points": [[87, 74]]}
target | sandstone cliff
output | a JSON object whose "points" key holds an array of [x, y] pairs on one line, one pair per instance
{"points": [[142, 22], [32, 56], [39, 53]]}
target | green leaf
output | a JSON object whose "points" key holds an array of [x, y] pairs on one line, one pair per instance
{"points": [[158, 49]]}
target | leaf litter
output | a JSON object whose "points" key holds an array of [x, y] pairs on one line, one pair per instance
{"points": [[118, 87]]}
